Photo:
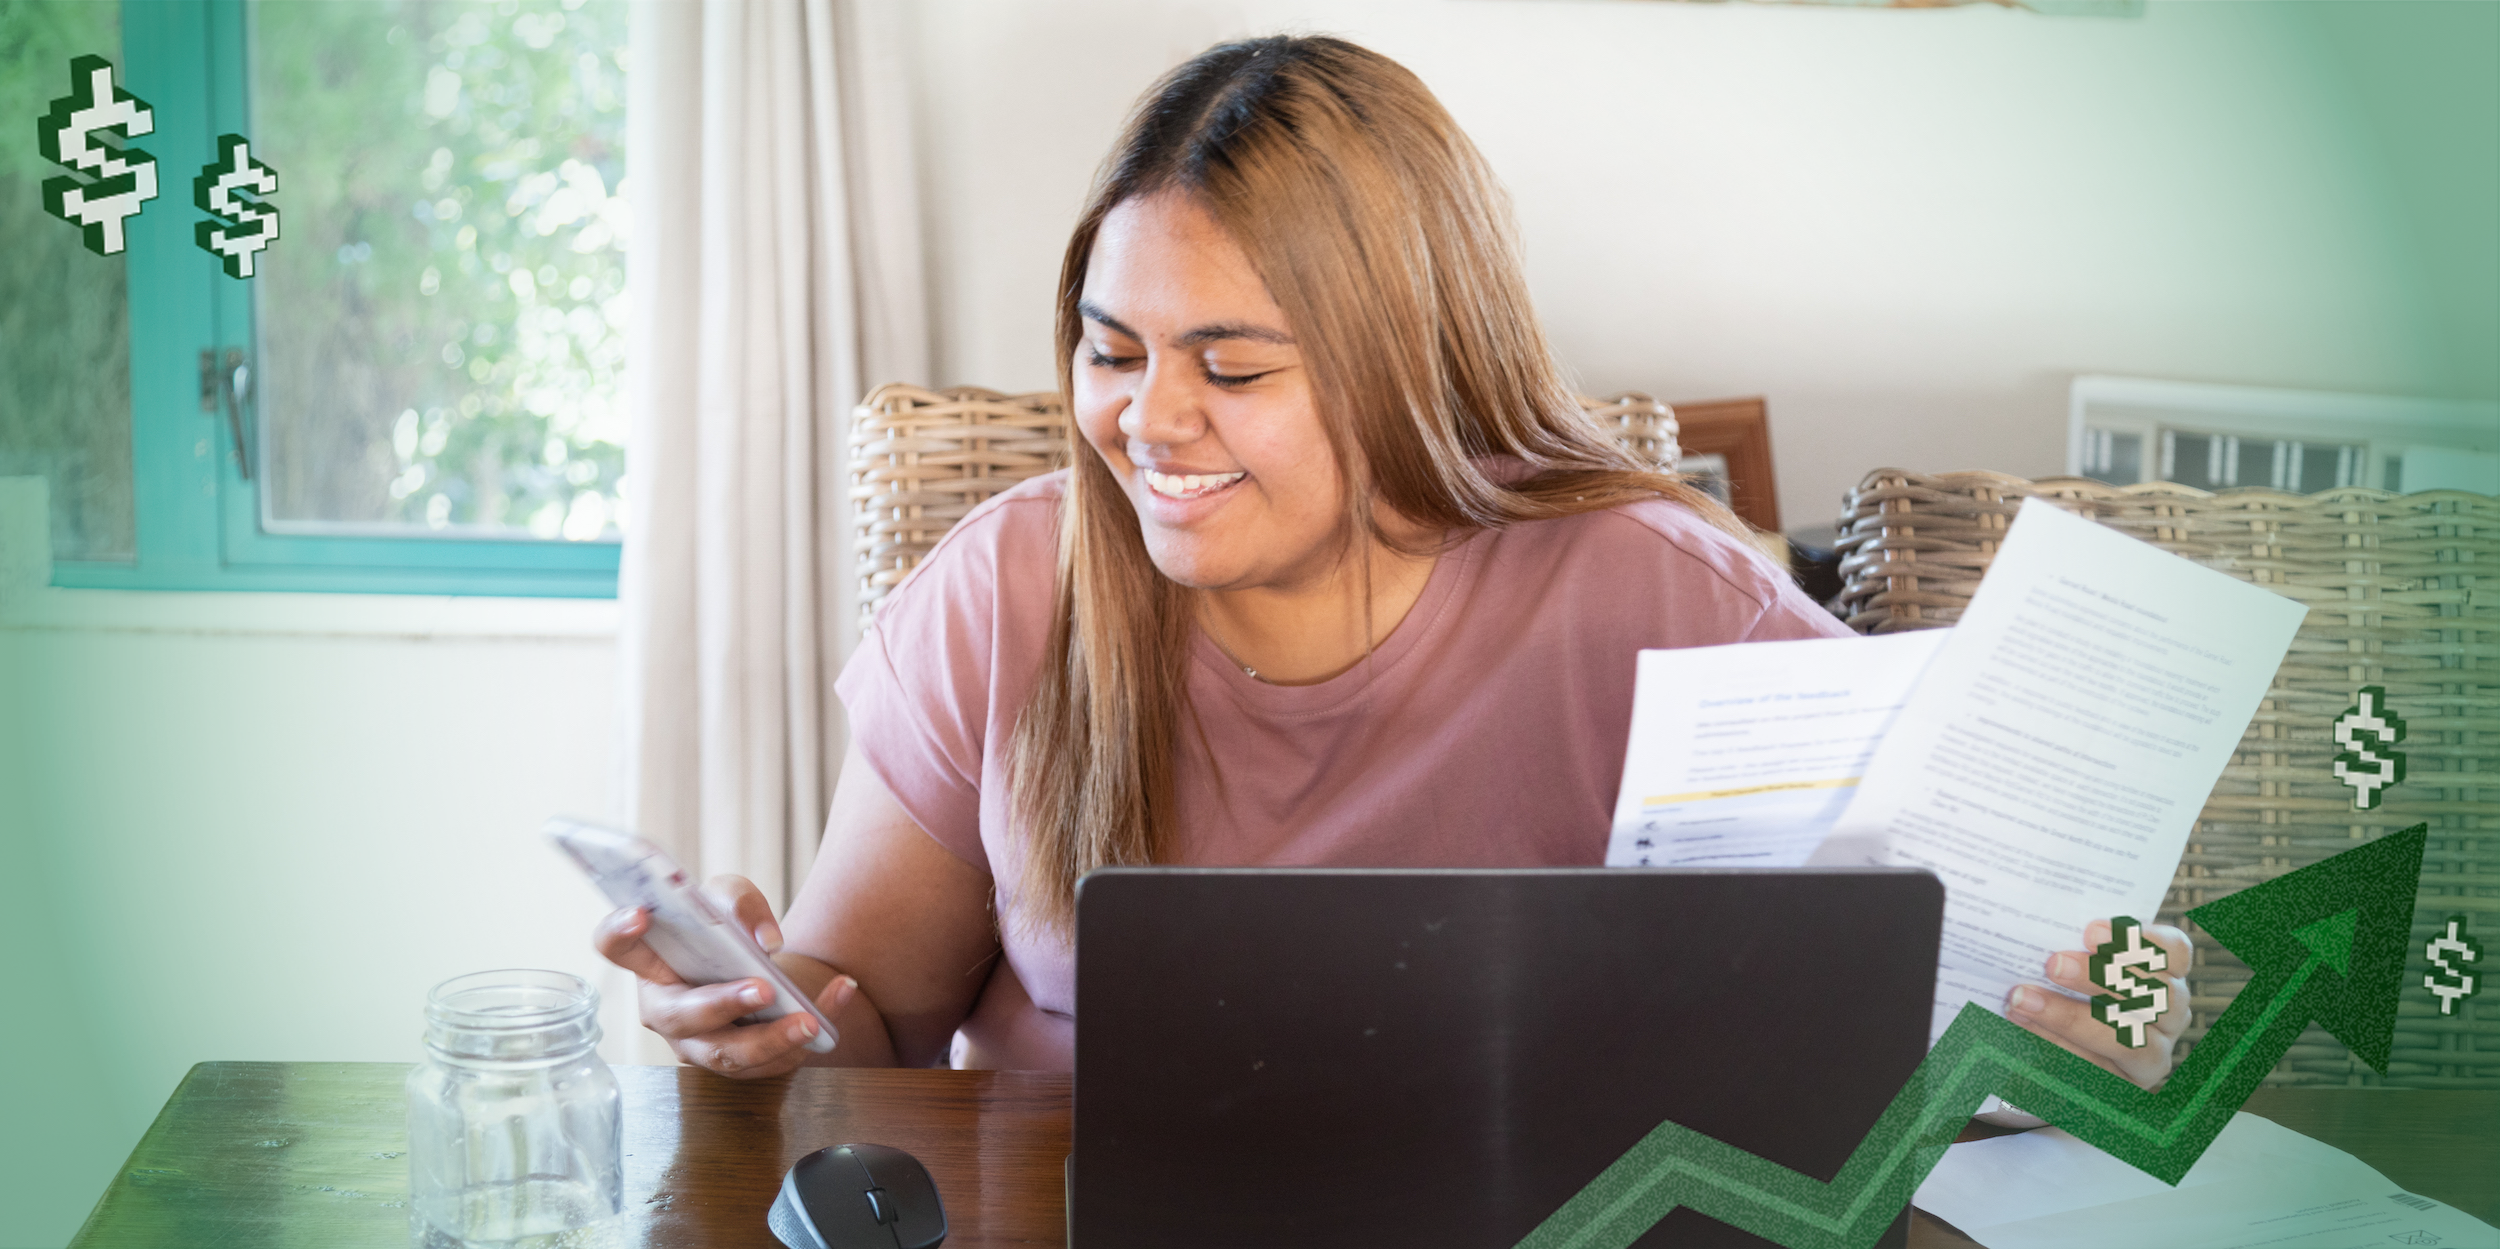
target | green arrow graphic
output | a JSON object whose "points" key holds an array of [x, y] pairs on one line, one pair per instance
{"points": [[2327, 942]]}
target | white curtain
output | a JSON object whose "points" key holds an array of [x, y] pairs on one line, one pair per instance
{"points": [[776, 274]]}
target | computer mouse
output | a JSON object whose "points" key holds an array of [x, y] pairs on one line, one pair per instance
{"points": [[858, 1197]]}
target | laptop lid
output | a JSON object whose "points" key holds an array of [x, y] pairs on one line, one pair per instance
{"points": [[1443, 1057]]}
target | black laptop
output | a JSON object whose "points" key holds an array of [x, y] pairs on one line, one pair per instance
{"points": [[1270, 1057]]}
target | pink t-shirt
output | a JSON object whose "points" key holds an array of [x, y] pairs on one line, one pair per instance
{"points": [[1487, 731]]}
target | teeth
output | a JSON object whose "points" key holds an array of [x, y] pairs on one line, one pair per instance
{"points": [[1172, 485]]}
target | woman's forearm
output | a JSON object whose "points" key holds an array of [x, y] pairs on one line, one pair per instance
{"points": [[894, 910], [864, 1041]]}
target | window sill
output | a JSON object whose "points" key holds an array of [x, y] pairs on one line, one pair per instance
{"points": [[30, 604], [408, 617]]}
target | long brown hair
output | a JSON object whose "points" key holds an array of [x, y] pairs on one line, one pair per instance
{"points": [[1388, 246]]}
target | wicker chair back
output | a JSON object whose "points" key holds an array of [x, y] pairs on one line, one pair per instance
{"points": [[923, 459]]}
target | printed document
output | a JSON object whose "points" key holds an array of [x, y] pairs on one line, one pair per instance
{"points": [[1742, 756], [2258, 1184], [2052, 762]]}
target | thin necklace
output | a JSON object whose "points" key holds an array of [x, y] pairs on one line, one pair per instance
{"points": [[1246, 669]]}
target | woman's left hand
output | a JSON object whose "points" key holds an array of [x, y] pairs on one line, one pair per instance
{"points": [[2070, 1024]]}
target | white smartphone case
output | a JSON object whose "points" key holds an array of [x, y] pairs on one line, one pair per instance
{"points": [[699, 943]]}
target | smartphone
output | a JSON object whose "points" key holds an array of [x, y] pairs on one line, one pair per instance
{"points": [[687, 931]]}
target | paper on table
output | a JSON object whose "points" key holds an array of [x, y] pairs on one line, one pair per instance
{"points": [[1742, 756], [2287, 1207], [2050, 765], [2008, 1179], [2259, 1183]]}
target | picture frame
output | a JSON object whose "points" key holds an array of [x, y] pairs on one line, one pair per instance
{"points": [[1726, 445]]}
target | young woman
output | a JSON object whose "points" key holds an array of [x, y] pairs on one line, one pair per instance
{"points": [[1341, 575]]}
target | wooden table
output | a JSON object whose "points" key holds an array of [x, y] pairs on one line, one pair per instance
{"points": [[274, 1155]]}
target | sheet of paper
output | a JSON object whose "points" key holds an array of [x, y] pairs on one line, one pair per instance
{"points": [[2052, 762], [2259, 1183], [2009, 1179], [1742, 756]]}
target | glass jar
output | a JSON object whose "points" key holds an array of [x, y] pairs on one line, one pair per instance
{"points": [[513, 1120]]}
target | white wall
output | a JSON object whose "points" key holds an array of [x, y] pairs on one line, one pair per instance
{"points": [[261, 826], [1907, 229]]}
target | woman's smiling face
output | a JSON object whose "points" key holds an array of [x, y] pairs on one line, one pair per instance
{"points": [[1189, 385]]}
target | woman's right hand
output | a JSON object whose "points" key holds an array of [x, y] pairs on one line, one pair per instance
{"points": [[700, 1021]]}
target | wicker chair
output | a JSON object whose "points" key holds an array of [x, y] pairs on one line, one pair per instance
{"points": [[2403, 592], [922, 459]]}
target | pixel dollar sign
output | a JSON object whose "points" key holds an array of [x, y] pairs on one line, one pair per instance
{"points": [[124, 178], [2132, 1004], [2368, 732], [237, 228], [2451, 983]]}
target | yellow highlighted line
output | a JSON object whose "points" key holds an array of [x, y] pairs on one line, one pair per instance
{"points": [[1705, 795]]}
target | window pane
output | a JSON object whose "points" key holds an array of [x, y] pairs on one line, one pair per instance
{"points": [[64, 311], [2256, 462], [2326, 465], [2192, 459], [2113, 457], [442, 319]]}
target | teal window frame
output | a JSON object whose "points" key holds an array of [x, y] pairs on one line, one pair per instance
{"points": [[197, 518]]}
